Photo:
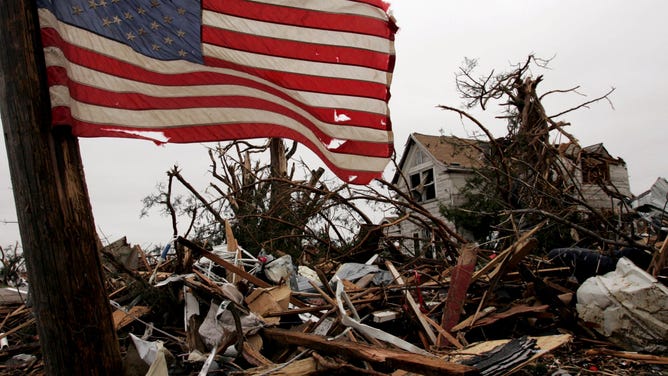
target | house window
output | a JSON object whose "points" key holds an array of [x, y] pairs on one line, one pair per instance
{"points": [[595, 172], [422, 185]]}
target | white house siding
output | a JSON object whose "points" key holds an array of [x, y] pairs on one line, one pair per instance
{"points": [[598, 198]]}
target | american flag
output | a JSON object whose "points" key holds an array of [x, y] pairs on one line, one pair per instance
{"points": [[315, 71]]}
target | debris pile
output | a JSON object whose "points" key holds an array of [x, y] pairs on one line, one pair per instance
{"points": [[194, 310]]}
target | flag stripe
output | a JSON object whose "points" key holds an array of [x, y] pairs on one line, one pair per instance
{"points": [[327, 15], [328, 38], [240, 40], [296, 68]]}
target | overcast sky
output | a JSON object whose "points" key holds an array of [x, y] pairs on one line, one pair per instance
{"points": [[594, 44]]}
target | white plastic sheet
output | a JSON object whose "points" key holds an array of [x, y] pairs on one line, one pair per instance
{"points": [[628, 306]]}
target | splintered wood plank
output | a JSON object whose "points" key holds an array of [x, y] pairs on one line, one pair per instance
{"points": [[122, 319], [301, 367], [459, 285], [397, 359]]}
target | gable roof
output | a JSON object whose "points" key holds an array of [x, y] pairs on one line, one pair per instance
{"points": [[450, 151], [596, 151], [453, 151]]}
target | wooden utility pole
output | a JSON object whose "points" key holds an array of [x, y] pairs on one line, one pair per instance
{"points": [[279, 170], [55, 218]]}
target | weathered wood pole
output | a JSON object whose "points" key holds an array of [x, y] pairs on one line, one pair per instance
{"points": [[55, 218]]}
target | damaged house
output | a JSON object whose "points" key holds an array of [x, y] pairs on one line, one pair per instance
{"points": [[651, 206], [434, 169]]}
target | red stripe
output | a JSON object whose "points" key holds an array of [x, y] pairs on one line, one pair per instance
{"points": [[316, 84], [303, 17], [214, 133], [296, 50], [133, 101], [117, 68]]}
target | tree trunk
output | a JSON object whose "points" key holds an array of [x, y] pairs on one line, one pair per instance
{"points": [[55, 218]]}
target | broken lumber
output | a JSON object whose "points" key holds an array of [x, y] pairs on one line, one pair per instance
{"points": [[412, 303], [395, 359], [459, 285], [506, 253], [231, 267]]}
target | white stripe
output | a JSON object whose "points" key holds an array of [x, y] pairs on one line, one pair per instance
{"points": [[89, 77], [155, 119], [119, 51], [309, 68], [332, 6], [295, 33]]}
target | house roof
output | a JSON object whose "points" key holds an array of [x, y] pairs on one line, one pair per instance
{"points": [[654, 198], [596, 150], [453, 152]]}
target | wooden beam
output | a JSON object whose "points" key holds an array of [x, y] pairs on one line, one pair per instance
{"points": [[459, 285], [394, 359]]}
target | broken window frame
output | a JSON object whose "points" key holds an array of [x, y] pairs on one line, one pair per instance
{"points": [[424, 179], [595, 171]]}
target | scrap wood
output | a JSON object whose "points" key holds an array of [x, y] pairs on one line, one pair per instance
{"points": [[231, 267], [17, 328], [370, 330], [123, 318], [459, 285], [297, 367], [232, 246], [444, 333], [645, 358], [319, 308], [395, 359], [19, 310], [224, 263], [251, 352], [469, 321], [659, 260], [515, 310], [412, 304], [341, 296], [546, 294], [327, 363], [263, 302], [544, 271], [522, 249], [500, 258]]}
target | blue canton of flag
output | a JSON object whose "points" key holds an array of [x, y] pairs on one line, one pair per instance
{"points": [[161, 29]]}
